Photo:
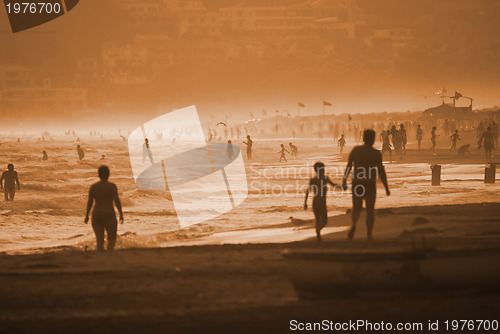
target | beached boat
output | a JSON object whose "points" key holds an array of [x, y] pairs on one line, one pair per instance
{"points": [[327, 273]]}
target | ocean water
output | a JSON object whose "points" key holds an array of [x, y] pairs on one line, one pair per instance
{"points": [[49, 210]]}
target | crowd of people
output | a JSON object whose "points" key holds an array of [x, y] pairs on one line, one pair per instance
{"points": [[103, 196]]}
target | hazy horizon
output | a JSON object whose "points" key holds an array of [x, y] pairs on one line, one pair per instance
{"points": [[390, 56]]}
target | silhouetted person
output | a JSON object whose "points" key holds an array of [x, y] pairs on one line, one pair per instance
{"points": [[293, 150], [455, 137], [488, 141], [462, 150], [319, 184], [282, 153], [45, 156], [104, 194], [103, 157], [433, 139], [229, 150], [341, 143], [386, 143], [146, 151], [420, 136], [396, 140], [249, 144], [403, 135], [8, 182], [366, 162], [81, 152]]}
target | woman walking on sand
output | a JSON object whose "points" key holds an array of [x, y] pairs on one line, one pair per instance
{"points": [[104, 194]]}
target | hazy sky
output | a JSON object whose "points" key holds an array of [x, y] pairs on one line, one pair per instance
{"points": [[455, 43]]}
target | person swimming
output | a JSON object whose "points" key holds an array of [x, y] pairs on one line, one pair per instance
{"points": [[45, 157], [319, 184], [365, 160], [8, 182], [104, 194]]}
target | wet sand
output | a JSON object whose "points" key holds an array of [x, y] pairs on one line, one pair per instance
{"points": [[240, 288]]}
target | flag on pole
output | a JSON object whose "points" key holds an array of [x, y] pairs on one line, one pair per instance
{"points": [[327, 104], [457, 95], [302, 105]]}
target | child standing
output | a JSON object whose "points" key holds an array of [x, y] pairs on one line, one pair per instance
{"points": [[341, 142], [319, 183]]}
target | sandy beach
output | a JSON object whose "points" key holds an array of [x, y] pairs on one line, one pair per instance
{"points": [[234, 287]]}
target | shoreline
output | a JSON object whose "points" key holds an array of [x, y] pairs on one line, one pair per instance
{"points": [[389, 224]]}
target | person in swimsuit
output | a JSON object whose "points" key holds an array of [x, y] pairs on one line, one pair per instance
{"points": [[249, 144], [229, 150], [146, 151], [319, 184], [420, 136], [488, 141], [9, 186], [455, 137], [104, 194], [341, 143], [367, 162], [80, 151], [462, 150], [281, 152], [386, 143], [293, 149], [433, 139]]}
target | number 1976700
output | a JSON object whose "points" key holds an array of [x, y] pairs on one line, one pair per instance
{"points": [[33, 8]]}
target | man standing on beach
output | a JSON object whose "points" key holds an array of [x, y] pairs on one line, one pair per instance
{"points": [[433, 140], [9, 186], [420, 136], [249, 144], [488, 141], [368, 165], [104, 194], [80, 151]]}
